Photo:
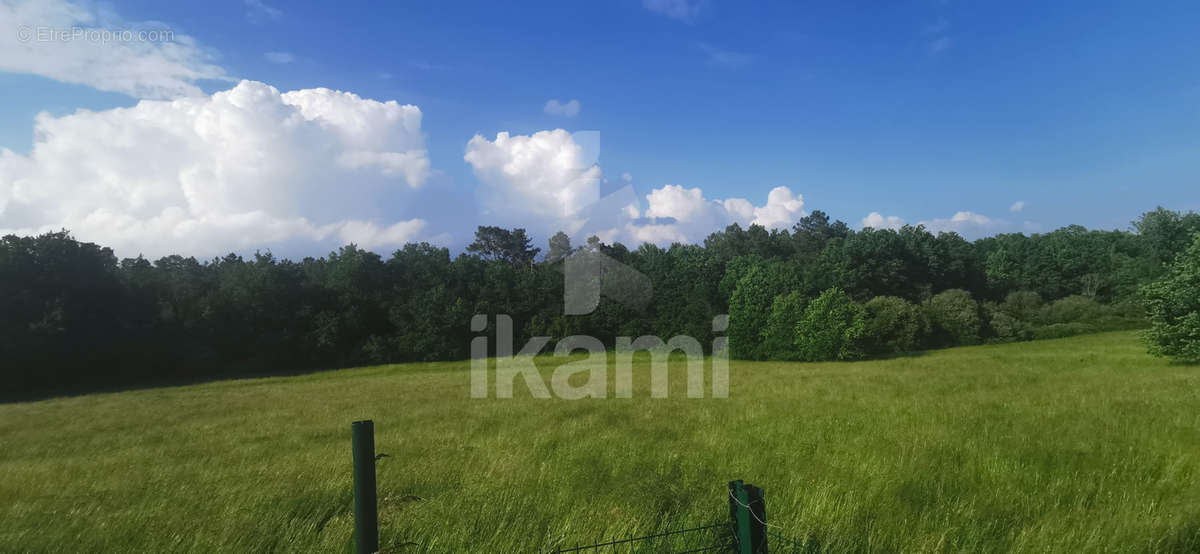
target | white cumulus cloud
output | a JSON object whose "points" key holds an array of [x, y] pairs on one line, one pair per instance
{"points": [[565, 109], [678, 214], [678, 203], [546, 175], [968, 224], [242, 168], [548, 182], [781, 211], [93, 46], [1017, 206], [879, 221]]}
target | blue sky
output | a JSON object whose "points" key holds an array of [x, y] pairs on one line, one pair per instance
{"points": [[1087, 112]]}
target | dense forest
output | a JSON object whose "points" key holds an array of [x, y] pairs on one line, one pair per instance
{"points": [[74, 317]]}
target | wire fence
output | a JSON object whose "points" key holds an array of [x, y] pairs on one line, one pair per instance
{"points": [[746, 532], [782, 544], [705, 538]]}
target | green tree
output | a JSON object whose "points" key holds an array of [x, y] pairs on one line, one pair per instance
{"points": [[560, 247], [894, 326], [1167, 233], [779, 334], [63, 313], [1023, 305], [1015, 318], [495, 243], [832, 328], [1173, 307], [954, 318], [814, 231], [1072, 309], [751, 304]]}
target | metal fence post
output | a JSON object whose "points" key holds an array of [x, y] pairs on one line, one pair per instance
{"points": [[758, 519], [740, 516], [748, 514], [366, 505]]}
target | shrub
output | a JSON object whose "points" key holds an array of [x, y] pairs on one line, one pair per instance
{"points": [[1096, 316], [894, 325], [1173, 308], [1061, 330], [1072, 309], [1008, 328], [832, 328], [1022, 305], [778, 337], [954, 318]]}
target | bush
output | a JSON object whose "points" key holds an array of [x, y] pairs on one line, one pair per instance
{"points": [[1022, 305], [1096, 316], [894, 325], [1061, 330], [832, 328], [954, 318], [1013, 319], [1073, 309], [778, 337], [1008, 328], [1173, 308]]}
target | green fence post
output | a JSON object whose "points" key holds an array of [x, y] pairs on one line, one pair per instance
{"points": [[740, 516], [366, 505], [758, 519]]}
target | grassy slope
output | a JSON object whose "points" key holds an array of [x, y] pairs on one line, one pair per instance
{"points": [[1081, 444]]}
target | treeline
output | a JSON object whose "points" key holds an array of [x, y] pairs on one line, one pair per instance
{"points": [[73, 316]]}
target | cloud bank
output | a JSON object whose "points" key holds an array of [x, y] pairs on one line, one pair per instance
{"points": [[247, 167], [546, 182], [251, 167], [968, 224]]}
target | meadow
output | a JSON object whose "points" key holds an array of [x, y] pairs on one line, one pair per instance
{"points": [[1085, 444]]}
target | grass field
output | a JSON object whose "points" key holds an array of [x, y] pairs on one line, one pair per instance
{"points": [[1076, 445]]}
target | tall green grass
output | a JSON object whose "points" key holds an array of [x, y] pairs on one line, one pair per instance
{"points": [[1076, 445]]}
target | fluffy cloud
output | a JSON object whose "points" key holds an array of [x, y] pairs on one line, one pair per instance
{"points": [[1017, 206], [566, 109], [968, 224], [682, 205], [76, 43], [878, 221], [547, 182], [781, 211], [243, 168], [678, 214], [546, 176]]}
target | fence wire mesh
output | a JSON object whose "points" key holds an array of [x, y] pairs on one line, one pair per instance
{"points": [[713, 537]]}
